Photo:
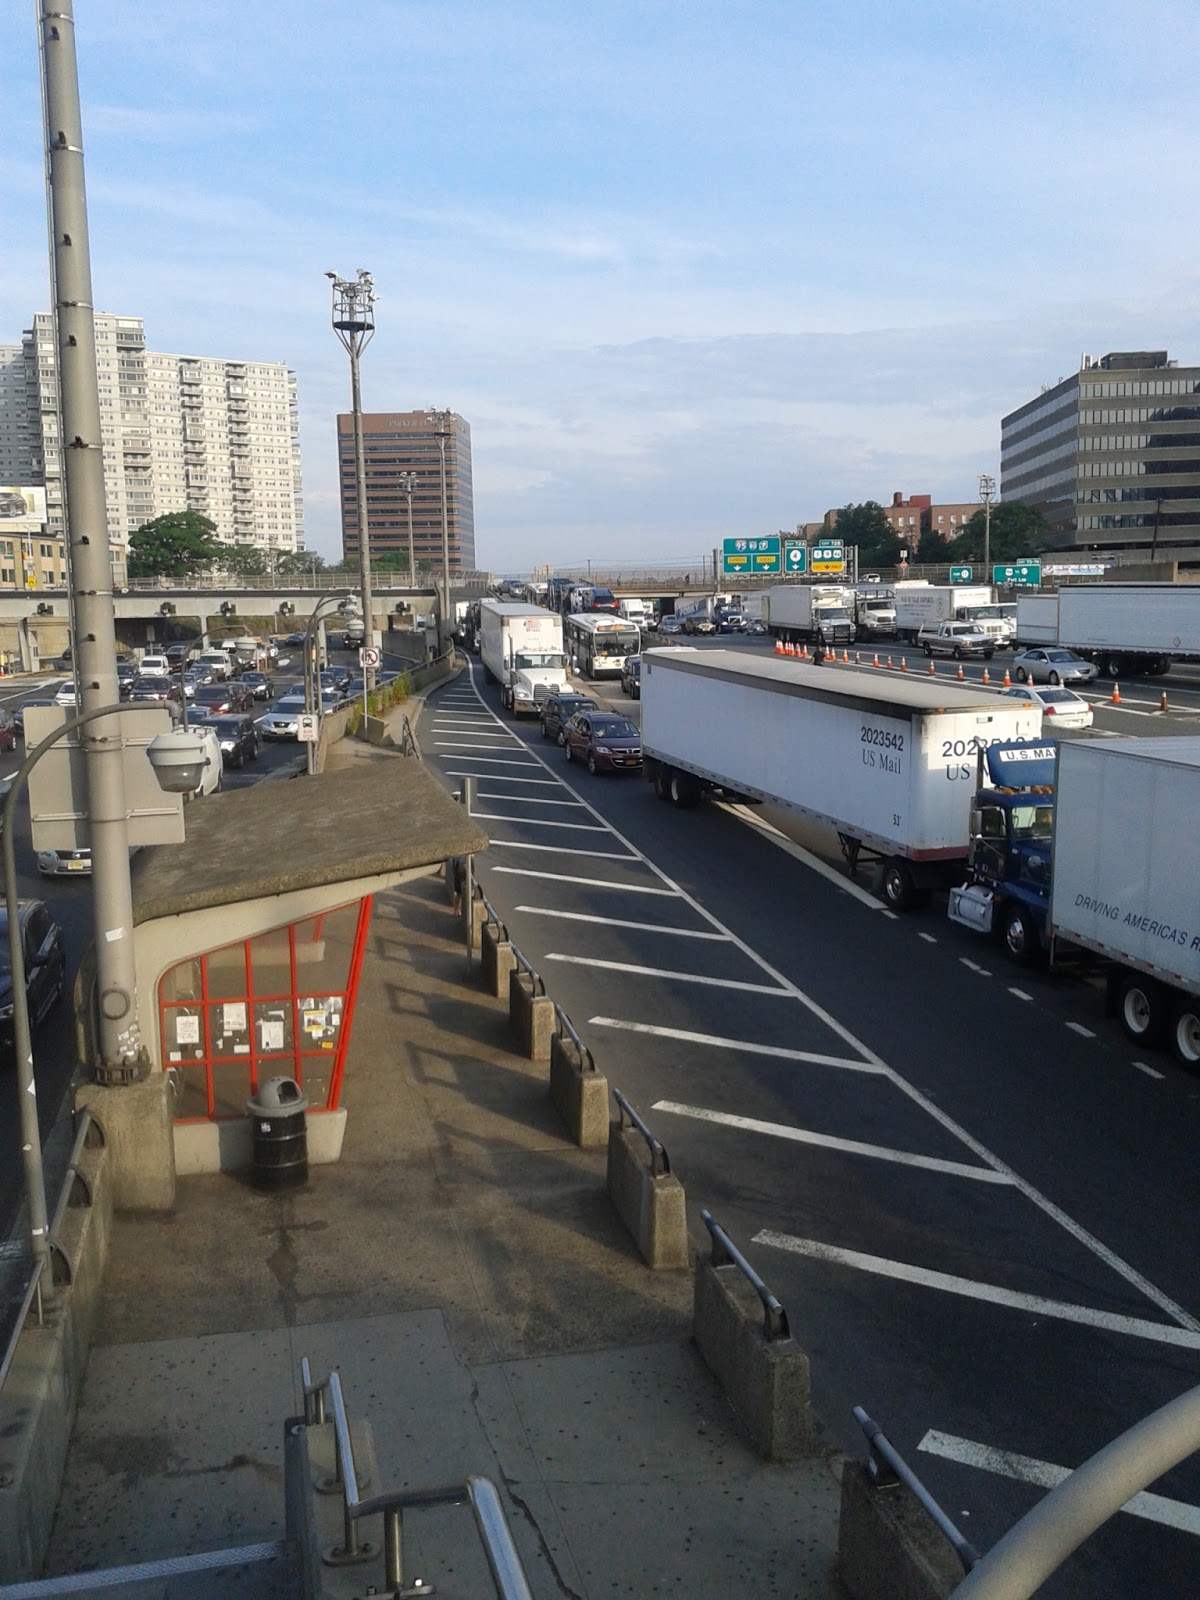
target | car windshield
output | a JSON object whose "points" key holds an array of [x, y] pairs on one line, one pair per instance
{"points": [[538, 658], [614, 728], [1061, 655], [1032, 822]]}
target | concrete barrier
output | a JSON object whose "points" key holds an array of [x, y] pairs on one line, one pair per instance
{"points": [[496, 958], [648, 1197], [530, 1014], [38, 1401], [889, 1544], [579, 1092], [766, 1380]]}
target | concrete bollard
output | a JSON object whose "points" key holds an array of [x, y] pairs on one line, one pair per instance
{"points": [[889, 1544], [473, 918], [579, 1092], [649, 1203], [496, 958], [530, 1014], [766, 1380]]}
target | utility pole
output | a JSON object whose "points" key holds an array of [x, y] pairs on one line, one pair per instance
{"points": [[441, 422], [408, 482], [122, 1059], [987, 490], [354, 324]]}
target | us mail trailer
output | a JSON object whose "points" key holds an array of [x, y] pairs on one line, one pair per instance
{"points": [[889, 765]]}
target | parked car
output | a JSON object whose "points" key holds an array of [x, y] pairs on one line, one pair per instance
{"points": [[1052, 665], [45, 966], [216, 699], [669, 625], [1069, 710], [126, 673], [218, 660], [237, 736], [257, 682], [281, 721], [153, 664], [64, 863], [335, 677], [558, 709], [956, 639], [605, 741], [177, 654], [631, 677]]}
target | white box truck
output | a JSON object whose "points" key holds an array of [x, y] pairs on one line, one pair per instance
{"points": [[797, 612], [1098, 854], [888, 763], [918, 604], [1123, 627], [521, 647]]}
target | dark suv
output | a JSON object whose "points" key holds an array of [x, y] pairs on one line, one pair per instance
{"points": [[631, 677], [558, 711]]}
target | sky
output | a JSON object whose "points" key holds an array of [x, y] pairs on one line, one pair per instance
{"points": [[689, 270]]}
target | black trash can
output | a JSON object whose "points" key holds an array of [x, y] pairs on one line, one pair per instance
{"points": [[280, 1158]]}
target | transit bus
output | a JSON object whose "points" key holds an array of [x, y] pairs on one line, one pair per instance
{"points": [[599, 643]]}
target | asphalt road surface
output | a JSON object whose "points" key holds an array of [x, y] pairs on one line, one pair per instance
{"points": [[976, 1200]]}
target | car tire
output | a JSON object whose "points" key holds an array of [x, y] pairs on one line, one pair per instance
{"points": [[898, 885], [1143, 1009], [560, 738], [1019, 933], [591, 765], [566, 750], [957, 653], [545, 735], [662, 784], [1184, 1032], [1054, 679], [1020, 674]]}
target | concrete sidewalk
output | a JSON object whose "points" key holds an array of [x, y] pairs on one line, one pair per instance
{"points": [[464, 1269]]}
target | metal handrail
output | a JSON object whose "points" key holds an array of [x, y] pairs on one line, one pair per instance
{"points": [[33, 1293], [491, 915], [660, 1163], [888, 1467], [726, 1253], [490, 1521], [408, 741], [523, 965]]}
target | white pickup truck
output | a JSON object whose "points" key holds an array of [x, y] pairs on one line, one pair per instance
{"points": [[957, 639]]}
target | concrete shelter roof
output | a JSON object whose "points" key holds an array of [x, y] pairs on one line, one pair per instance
{"points": [[379, 817]]}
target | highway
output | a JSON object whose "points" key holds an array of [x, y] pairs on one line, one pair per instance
{"points": [[976, 1200]]}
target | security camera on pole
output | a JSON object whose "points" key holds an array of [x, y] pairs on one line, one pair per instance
{"points": [[354, 324], [987, 493]]}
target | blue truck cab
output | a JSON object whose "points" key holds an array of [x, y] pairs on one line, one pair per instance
{"points": [[1011, 849]]}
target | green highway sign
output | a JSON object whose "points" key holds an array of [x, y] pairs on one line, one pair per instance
{"points": [[829, 555], [960, 574], [1025, 573], [752, 555], [795, 556]]}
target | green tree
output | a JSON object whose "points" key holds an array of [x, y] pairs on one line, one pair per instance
{"points": [[245, 561], [866, 526], [932, 549], [298, 564], [391, 561], [176, 545], [1018, 531]]}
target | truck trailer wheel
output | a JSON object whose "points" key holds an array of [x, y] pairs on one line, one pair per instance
{"points": [[1184, 1032], [1142, 1009], [899, 887], [1019, 933], [1113, 666], [685, 790], [662, 784]]}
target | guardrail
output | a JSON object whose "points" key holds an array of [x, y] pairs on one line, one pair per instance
{"points": [[726, 1253], [407, 742], [887, 1466], [523, 965], [660, 1164], [490, 1522], [34, 1299]]}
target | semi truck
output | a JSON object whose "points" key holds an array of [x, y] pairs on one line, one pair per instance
{"points": [[919, 604], [890, 766], [1123, 627], [798, 612], [521, 647], [875, 612], [1083, 846]]}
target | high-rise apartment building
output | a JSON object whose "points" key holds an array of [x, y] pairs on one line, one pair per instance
{"points": [[16, 432], [1111, 455], [396, 442], [177, 432]]}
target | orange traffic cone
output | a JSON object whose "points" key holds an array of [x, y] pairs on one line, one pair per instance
{"points": [[875, 662], [1007, 679], [778, 645], [903, 663], [986, 677], [846, 656], [1162, 704], [931, 666], [1116, 695], [961, 673], [890, 666]]}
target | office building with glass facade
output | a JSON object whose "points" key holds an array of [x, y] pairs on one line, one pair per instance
{"points": [[402, 442]]}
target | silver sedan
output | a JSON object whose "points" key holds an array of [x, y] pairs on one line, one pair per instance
{"points": [[1052, 666]]}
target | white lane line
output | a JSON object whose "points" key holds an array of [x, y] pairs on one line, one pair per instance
{"points": [[538, 822], [778, 1130], [1020, 994], [1078, 1027], [456, 744], [928, 938], [591, 883], [973, 966], [1151, 1072], [492, 761], [529, 799], [746, 1046], [502, 777], [1030, 1191], [1046, 1475], [454, 730], [665, 972], [561, 850], [618, 922], [970, 1289], [814, 863]]}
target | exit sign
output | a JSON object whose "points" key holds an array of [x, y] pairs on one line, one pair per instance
{"points": [[960, 574], [1027, 574]]}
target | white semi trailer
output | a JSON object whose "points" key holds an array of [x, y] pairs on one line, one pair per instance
{"points": [[889, 764], [1123, 627], [521, 647], [918, 604], [801, 611]]}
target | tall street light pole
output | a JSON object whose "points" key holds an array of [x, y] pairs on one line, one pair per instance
{"points": [[987, 493], [441, 423], [122, 1059], [408, 482], [354, 324]]}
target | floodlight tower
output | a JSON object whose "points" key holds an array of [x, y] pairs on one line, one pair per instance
{"points": [[354, 323]]}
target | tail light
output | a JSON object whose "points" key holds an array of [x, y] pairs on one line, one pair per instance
{"points": [[1047, 711]]}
